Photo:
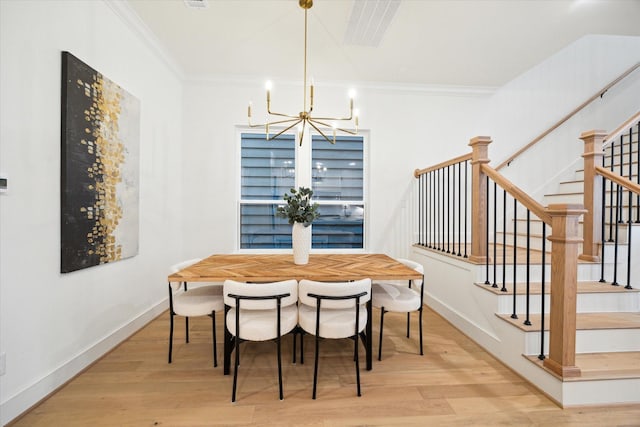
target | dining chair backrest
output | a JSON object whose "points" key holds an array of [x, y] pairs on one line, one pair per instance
{"points": [[334, 289], [231, 287], [416, 283]]}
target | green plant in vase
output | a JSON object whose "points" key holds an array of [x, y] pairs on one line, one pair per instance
{"points": [[299, 207]]}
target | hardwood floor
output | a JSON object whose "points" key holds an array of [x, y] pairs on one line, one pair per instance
{"points": [[455, 383]]}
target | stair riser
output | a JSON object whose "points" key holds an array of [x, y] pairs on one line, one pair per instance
{"points": [[586, 303], [586, 272], [590, 341]]}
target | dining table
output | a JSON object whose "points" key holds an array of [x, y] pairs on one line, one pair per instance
{"points": [[325, 267]]}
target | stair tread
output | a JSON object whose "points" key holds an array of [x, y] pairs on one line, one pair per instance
{"points": [[602, 366], [584, 321], [535, 288]]}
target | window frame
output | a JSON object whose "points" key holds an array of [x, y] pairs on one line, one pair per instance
{"points": [[303, 177]]}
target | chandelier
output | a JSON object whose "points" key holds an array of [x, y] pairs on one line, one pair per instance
{"points": [[322, 125]]}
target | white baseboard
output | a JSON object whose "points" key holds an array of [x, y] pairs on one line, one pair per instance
{"points": [[22, 401]]}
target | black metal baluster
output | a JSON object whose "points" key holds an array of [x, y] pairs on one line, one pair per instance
{"points": [[638, 172], [466, 202], [486, 280], [527, 321], [459, 207], [504, 241], [603, 215], [448, 208], [427, 198], [544, 241], [611, 195], [444, 218], [630, 193], [495, 228], [453, 210], [629, 258], [420, 213], [615, 247], [437, 230], [621, 173], [515, 254], [434, 210]]}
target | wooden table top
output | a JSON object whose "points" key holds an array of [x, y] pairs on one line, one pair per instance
{"points": [[273, 268]]}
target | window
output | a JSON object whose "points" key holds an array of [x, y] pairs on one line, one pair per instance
{"points": [[337, 183], [335, 172]]}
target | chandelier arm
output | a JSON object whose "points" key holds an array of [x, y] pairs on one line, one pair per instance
{"points": [[320, 132], [282, 131], [343, 119], [277, 122], [271, 113], [350, 132]]}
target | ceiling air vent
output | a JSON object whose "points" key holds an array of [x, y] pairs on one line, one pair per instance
{"points": [[196, 4], [369, 21]]}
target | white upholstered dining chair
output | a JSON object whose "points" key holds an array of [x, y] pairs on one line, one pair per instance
{"points": [[334, 310], [260, 312], [402, 296], [203, 300]]}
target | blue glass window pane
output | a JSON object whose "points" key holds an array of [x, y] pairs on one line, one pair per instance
{"points": [[268, 167], [339, 226], [337, 169], [260, 227]]}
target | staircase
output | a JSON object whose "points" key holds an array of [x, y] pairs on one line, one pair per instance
{"points": [[608, 317]]}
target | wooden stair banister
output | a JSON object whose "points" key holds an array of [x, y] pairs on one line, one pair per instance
{"points": [[563, 219], [535, 207], [568, 116]]}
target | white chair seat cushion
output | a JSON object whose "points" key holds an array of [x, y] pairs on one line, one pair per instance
{"points": [[394, 297], [199, 301], [334, 323], [261, 325]]}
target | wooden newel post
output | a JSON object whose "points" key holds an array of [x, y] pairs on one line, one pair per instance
{"points": [[592, 194], [480, 156], [564, 278]]}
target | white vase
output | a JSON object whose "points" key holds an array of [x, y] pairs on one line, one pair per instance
{"points": [[301, 241]]}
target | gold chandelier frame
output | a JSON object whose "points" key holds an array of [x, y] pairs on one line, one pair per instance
{"points": [[304, 118]]}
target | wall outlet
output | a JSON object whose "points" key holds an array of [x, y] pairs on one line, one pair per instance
{"points": [[3, 363]]}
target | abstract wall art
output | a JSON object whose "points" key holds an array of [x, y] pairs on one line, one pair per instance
{"points": [[99, 168]]}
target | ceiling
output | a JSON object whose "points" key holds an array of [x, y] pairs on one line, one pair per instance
{"points": [[427, 42]]}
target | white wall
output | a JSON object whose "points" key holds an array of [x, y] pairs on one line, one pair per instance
{"points": [[53, 325], [409, 128], [534, 101]]}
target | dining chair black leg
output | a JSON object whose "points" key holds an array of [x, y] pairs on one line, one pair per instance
{"points": [[381, 327], [235, 370], [237, 347], [357, 365], [420, 317], [408, 323], [215, 345], [280, 368], [186, 329], [170, 335], [315, 369], [301, 347]]}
